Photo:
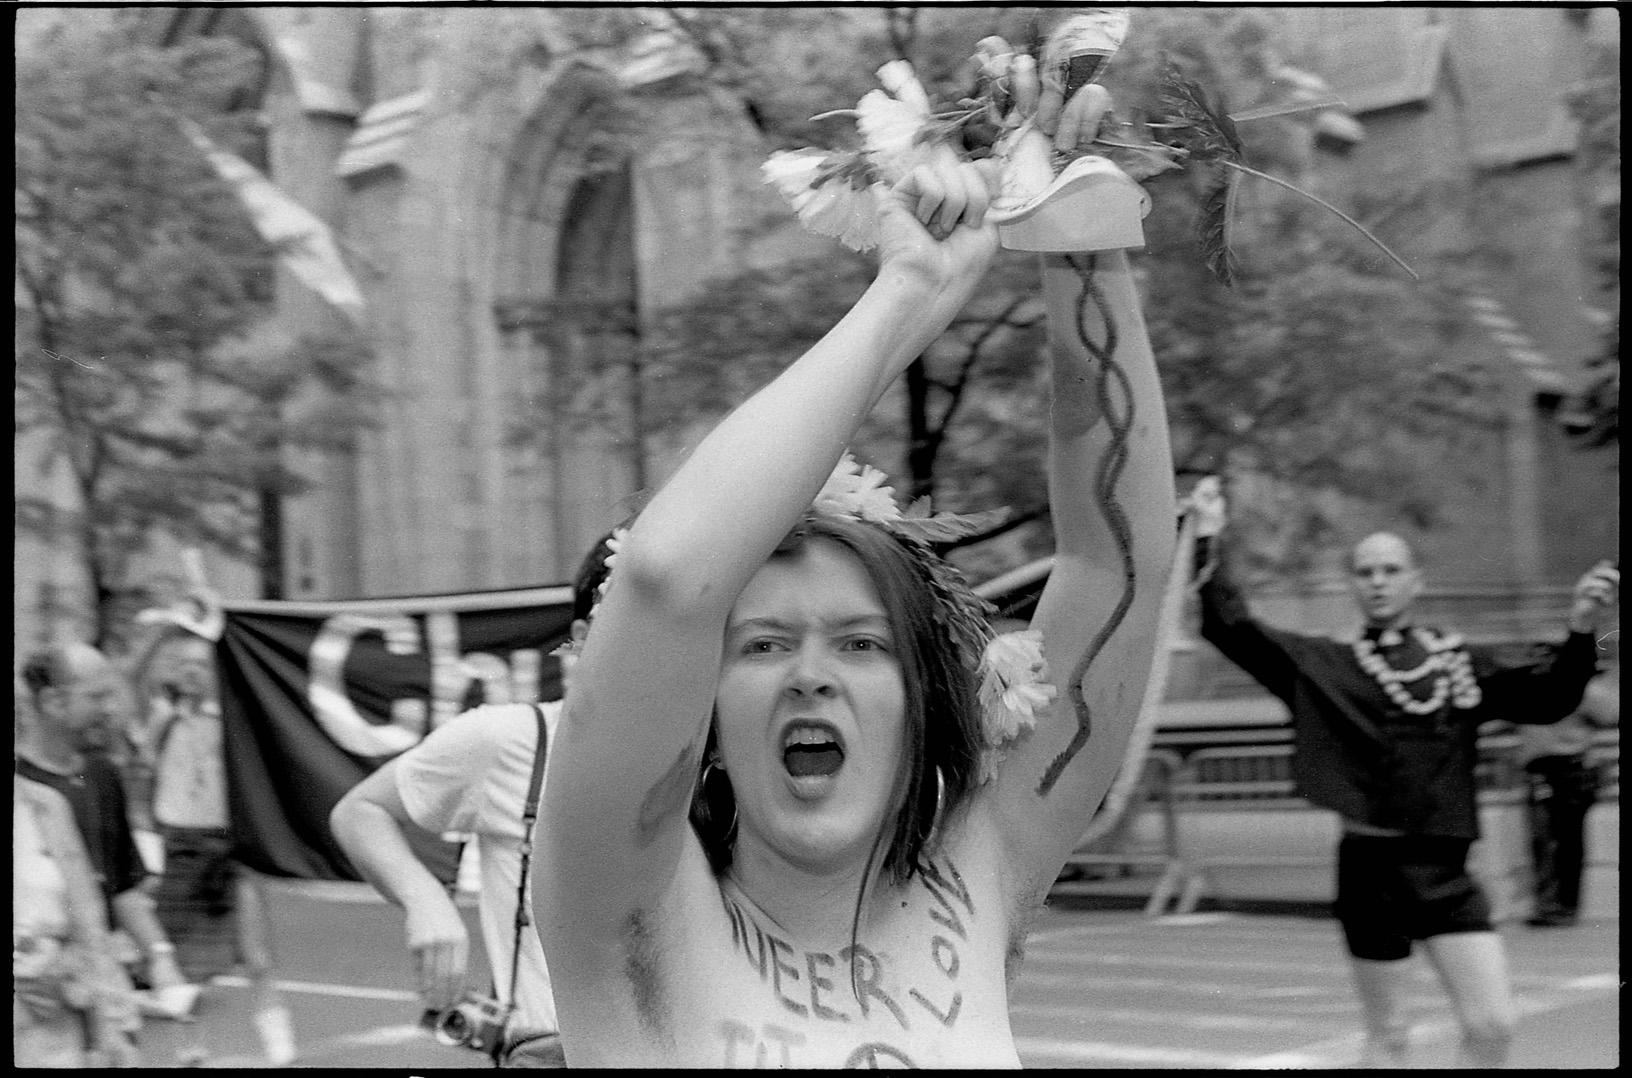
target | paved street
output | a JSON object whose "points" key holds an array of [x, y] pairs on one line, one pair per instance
{"points": [[1101, 988], [1113, 989]]}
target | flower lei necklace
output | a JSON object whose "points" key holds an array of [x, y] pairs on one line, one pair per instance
{"points": [[1447, 663], [1013, 672]]}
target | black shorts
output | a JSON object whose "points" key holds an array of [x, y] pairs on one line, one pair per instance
{"points": [[1391, 891]]}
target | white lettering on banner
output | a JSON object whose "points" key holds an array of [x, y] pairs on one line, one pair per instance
{"points": [[448, 674], [451, 675], [326, 691], [526, 665], [408, 712], [491, 672]]}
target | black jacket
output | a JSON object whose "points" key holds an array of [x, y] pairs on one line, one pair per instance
{"points": [[1361, 756]]}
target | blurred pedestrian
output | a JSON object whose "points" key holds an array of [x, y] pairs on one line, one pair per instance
{"points": [[1563, 787], [211, 905], [1385, 734], [480, 774], [75, 697], [72, 1003]]}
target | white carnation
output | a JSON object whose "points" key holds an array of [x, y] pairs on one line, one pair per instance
{"points": [[832, 207], [1013, 685], [858, 490]]}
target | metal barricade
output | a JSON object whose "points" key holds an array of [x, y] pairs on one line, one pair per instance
{"points": [[1224, 780], [1229, 807], [1128, 844], [1237, 773]]}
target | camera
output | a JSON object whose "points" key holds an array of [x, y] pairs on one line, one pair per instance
{"points": [[474, 1022]]}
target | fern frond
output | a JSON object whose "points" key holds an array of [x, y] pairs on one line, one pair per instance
{"points": [[1206, 128], [1217, 226], [945, 527]]}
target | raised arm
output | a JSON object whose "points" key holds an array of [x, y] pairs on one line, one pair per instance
{"points": [[1110, 473], [1551, 684], [1228, 624], [622, 774], [1111, 493]]}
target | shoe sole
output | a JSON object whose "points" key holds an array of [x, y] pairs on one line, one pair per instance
{"points": [[1091, 206]]}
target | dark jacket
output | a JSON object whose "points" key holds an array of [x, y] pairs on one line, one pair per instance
{"points": [[1355, 751], [97, 797]]}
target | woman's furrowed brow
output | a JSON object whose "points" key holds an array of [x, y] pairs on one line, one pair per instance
{"points": [[758, 624], [770, 623]]}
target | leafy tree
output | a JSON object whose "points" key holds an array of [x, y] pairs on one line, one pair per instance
{"points": [[729, 339], [1305, 375], [140, 285]]}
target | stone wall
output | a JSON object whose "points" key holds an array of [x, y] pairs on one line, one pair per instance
{"points": [[447, 148]]}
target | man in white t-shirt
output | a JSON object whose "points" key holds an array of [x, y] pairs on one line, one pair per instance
{"points": [[470, 775]]}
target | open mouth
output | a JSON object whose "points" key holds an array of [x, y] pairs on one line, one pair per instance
{"points": [[811, 751]]}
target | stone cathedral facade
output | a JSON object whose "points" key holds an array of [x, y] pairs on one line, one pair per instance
{"points": [[457, 153]]}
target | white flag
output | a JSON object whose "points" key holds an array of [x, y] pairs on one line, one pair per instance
{"points": [[303, 242]]}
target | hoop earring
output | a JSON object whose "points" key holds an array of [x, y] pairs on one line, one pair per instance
{"points": [[712, 768], [940, 803]]}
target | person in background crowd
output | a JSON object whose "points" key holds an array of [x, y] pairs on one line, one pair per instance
{"points": [[76, 696], [1563, 788], [470, 775], [211, 907], [72, 1004], [1385, 734]]}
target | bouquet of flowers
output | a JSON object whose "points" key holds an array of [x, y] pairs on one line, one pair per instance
{"points": [[1021, 109]]}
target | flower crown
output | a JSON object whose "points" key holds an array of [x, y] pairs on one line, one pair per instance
{"points": [[1013, 673]]}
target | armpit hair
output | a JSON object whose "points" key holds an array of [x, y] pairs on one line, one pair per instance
{"points": [[641, 965], [1021, 918]]}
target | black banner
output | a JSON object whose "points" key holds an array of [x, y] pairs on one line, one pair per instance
{"points": [[314, 696]]}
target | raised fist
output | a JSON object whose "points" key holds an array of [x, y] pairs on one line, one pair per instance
{"points": [[1597, 590], [1206, 504]]}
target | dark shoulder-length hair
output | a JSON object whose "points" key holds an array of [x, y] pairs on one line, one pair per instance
{"points": [[936, 773]]}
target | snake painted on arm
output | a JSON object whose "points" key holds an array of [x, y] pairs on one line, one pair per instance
{"points": [[1111, 382]]}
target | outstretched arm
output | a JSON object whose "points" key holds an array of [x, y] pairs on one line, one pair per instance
{"points": [[1228, 624], [1598, 590], [1226, 621], [629, 749], [1551, 685]]}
